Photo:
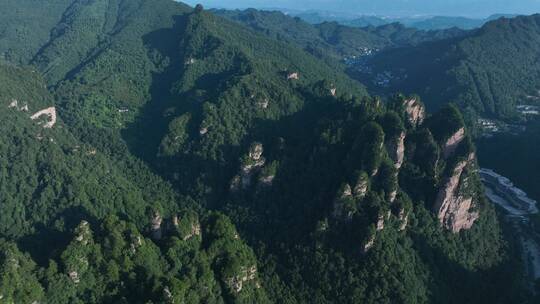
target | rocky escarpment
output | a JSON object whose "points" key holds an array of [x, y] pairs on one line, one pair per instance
{"points": [[250, 164], [19, 107], [454, 209], [415, 110], [453, 142], [369, 243], [186, 226], [189, 227], [156, 230], [78, 264], [396, 149], [403, 218], [425, 160], [344, 204], [348, 198], [293, 76], [50, 113], [246, 274], [362, 186]]}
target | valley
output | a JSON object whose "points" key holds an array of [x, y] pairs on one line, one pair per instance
{"points": [[154, 152], [518, 209]]}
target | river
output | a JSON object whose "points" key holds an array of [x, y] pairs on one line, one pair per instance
{"points": [[518, 208]]}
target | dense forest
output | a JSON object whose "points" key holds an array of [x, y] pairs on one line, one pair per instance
{"points": [[416, 22], [487, 73], [156, 153], [331, 40]]}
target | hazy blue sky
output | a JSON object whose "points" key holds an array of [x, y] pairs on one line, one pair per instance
{"points": [[390, 7]]}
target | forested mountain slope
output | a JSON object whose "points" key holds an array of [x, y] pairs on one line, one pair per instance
{"points": [[331, 39], [46, 166], [487, 73], [21, 36], [155, 153], [53, 184]]}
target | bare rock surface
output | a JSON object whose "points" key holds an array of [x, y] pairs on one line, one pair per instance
{"points": [[453, 142], [396, 150], [453, 209], [415, 110], [51, 115], [236, 283]]}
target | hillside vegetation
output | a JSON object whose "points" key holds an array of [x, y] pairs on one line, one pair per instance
{"points": [[331, 40], [155, 153], [487, 73]]}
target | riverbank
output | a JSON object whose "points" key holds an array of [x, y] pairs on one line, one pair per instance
{"points": [[518, 208]]}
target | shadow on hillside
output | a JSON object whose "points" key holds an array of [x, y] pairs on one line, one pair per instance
{"points": [[144, 135], [452, 283], [48, 242], [191, 173]]}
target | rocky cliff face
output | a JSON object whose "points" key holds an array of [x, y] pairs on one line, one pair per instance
{"points": [[396, 149], [362, 186], [453, 208], [453, 142], [415, 110], [404, 219], [251, 164], [236, 283], [344, 204], [156, 226], [50, 113]]}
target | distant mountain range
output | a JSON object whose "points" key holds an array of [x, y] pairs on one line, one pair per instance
{"points": [[490, 71], [419, 22]]}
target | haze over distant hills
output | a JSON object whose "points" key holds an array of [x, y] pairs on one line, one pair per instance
{"points": [[419, 22], [470, 8]]}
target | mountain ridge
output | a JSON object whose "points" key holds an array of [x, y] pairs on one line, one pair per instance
{"points": [[193, 159]]}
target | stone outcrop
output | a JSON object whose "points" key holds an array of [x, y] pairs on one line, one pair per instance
{"points": [[392, 196], [380, 222], [51, 115], [369, 244], [263, 103], [343, 211], [15, 105], [155, 229], [293, 76], [256, 151], [267, 181], [83, 233], [396, 149], [236, 183], [404, 219], [236, 283], [361, 187], [195, 231], [251, 164], [453, 142], [333, 92], [136, 243], [91, 152], [74, 276], [453, 209], [167, 294], [415, 110]]}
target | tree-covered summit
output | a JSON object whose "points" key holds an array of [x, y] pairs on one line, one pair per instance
{"points": [[155, 153]]}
